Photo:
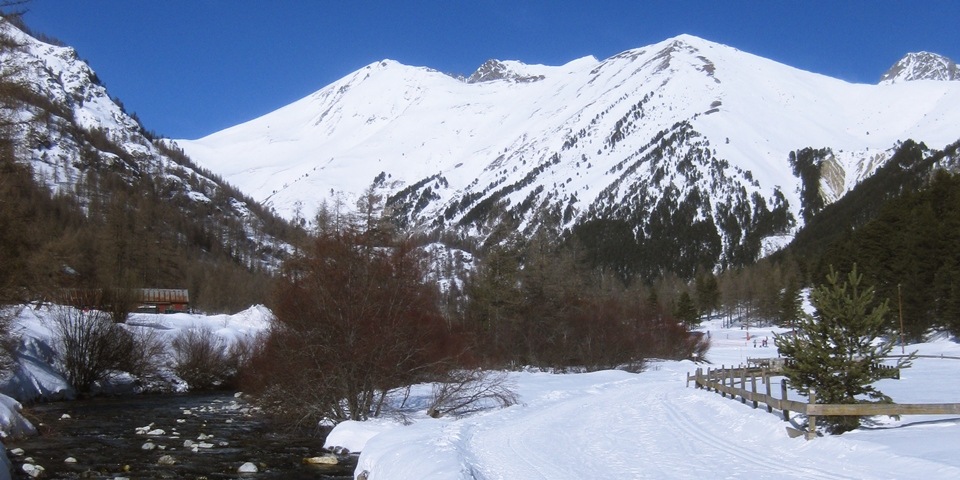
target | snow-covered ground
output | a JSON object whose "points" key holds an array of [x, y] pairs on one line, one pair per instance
{"points": [[611, 424], [614, 424]]}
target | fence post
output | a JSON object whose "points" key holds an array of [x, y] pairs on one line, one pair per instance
{"points": [[724, 373], [753, 384], [766, 380], [783, 396], [743, 384], [723, 380], [812, 427]]}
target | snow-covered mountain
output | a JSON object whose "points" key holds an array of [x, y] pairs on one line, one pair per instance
{"points": [[683, 132], [921, 66], [81, 144]]}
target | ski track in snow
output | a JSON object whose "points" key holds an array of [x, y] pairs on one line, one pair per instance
{"points": [[618, 425], [661, 432]]}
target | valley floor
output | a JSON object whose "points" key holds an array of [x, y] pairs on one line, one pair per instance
{"points": [[614, 424]]}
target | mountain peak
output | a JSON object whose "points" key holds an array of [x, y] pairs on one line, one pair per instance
{"points": [[921, 66], [511, 71]]}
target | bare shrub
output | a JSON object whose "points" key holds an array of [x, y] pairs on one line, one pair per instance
{"points": [[240, 355], [463, 392], [201, 358], [148, 349], [91, 346]]}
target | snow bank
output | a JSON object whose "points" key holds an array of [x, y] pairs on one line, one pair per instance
{"points": [[34, 375]]}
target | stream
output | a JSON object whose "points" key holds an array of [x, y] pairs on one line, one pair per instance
{"points": [[193, 436]]}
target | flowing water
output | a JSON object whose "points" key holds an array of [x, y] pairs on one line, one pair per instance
{"points": [[206, 436]]}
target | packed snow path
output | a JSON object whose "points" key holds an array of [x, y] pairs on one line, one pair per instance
{"points": [[614, 424], [637, 429]]}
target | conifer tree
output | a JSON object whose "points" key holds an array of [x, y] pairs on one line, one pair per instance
{"points": [[835, 351], [686, 311], [708, 293]]}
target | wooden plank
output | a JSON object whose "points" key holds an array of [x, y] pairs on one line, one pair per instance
{"points": [[794, 406], [866, 409]]}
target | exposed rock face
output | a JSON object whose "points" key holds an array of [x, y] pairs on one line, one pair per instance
{"points": [[496, 70], [921, 66]]}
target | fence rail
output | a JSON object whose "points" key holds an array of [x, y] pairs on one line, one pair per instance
{"points": [[725, 382]]}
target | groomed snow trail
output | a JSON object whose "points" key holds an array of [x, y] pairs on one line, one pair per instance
{"points": [[637, 428], [618, 425]]}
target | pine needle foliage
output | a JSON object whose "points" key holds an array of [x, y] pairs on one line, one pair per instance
{"points": [[838, 350]]}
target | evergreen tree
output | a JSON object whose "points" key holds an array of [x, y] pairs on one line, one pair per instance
{"points": [[834, 351], [708, 293], [496, 299], [686, 311], [790, 305]]}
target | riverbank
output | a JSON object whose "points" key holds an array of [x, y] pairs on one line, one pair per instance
{"points": [[209, 435], [32, 376]]}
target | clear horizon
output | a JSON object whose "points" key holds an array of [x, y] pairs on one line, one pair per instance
{"points": [[192, 68]]}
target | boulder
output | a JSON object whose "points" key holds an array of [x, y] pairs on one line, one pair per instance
{"points": [[321, 460]]}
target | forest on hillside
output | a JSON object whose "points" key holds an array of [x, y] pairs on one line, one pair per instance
{"points": [[108, 219], [900, 227]]}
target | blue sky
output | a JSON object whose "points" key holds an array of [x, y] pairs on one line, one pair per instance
{"points": [[189, 68]]}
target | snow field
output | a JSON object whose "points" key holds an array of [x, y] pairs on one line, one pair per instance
{"points": [[614, 424]]}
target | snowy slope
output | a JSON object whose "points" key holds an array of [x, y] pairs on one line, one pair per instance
{"points": [[614, 424], [574, 137]]}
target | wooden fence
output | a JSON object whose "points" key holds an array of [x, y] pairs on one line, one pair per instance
{"points": [[733, 382]]}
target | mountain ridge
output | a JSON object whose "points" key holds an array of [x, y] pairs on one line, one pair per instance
{"points": [[445, 150]]}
